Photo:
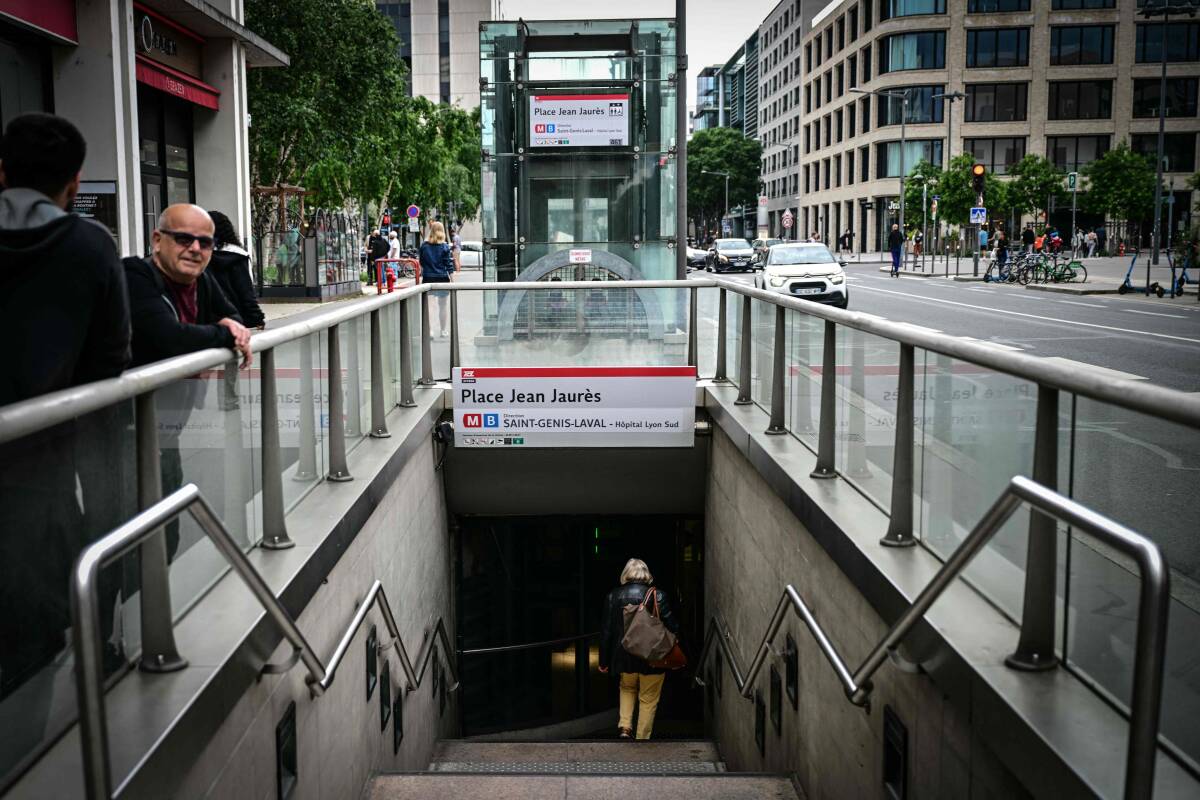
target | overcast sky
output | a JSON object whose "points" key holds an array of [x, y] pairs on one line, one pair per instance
{"points": [[715, 28]]}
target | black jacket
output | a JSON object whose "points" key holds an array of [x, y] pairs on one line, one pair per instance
{"points": [[1027, 236], [157, 331], [612, 627], [895, 240], [62, 295], [231, 268]]}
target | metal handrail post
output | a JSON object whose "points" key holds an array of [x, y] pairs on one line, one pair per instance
{"points": [[338, 471], [378, 414], [900, 525], [692, 348], [1035, 650], [825, 440], [744, 353], [406, 371], [1150, 657], [159, 651], [454, 352], [719, 374], [275, 535], [306, 460], [778, 358], [426, 344], [352, 402]]}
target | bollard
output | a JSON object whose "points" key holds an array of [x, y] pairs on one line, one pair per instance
{"points": [[275, 535]]}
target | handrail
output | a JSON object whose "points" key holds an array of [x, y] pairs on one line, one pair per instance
{"points": [[85, 612], [1150, 652], [529, 645]]}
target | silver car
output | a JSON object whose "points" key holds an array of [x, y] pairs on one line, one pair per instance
{"points": [[804, 270]]}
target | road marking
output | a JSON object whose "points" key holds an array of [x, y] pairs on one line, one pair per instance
{"points": [[1154, 313], [1034, 316], [1077, 303], [990, 343], [1111, 374]]}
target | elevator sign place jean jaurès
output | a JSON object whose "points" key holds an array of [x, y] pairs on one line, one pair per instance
{"points": [[579, 120], [574, 406]]}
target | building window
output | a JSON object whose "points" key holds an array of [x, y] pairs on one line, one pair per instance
{"points": [[1081, 44], [854, 23], [1183, 42], [998, 47], [1070, 153], [1082, 5], [828, 130], [837, 171], [850, 166], [995, 102], [865, 54], [851, 121], [996, 6], [841, 33], [887, 156], [826, 170], [866, 114], [910, 8], [1181, 97], [1080, 100], [864, 163], [922, 108], [1179, 150], [808, 57], [868, 15], [924, 50], [996, 154], [838, 117], [444, 49], [853, 64]]}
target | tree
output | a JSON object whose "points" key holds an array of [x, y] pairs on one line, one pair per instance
{"points": [[919, 176], [957, 193], [720, 150], [1035, 181], [1120, 185]]}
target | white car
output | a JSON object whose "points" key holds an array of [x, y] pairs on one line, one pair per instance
{"points": [[804, 270], [471, 255]]}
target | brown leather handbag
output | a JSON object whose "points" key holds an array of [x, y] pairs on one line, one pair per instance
{"points": [[645, 635]]}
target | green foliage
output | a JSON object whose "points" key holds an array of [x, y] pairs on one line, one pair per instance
{"points": [[721, 150], [338, 121], [955, 191], [917, 177], [1120, 185], [1035, 181]]}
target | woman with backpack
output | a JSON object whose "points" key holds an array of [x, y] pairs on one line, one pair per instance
{"points": [[641, 684]]}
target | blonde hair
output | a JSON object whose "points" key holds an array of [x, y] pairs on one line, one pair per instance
{"points": [[636, 571], [437, 233]]}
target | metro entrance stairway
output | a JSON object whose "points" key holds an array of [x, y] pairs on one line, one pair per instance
{"points": [[579, 770]]}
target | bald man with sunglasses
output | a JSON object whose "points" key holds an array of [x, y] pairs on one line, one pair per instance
{"points": [[177, 307]]}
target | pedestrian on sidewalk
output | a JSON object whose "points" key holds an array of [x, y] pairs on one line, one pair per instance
{"points": [[895, 245], [230, 265], [377, 248], [1091, 243], [641, 684], [66, 314], [437, 266], [846, 243], [1028, 237], [456, 248]]}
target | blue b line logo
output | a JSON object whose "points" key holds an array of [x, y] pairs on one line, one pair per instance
{"points": [[491, 420]]}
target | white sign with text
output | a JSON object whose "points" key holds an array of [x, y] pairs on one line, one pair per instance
{"points": [[579, 120], [574, 406]]}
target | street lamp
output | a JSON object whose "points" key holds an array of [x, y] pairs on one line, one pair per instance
{"points": [[726, 176], [1164, 9], [949, 156], [903, 95]]}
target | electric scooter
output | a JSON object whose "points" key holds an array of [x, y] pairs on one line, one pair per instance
{"points": [[1127, 286]]}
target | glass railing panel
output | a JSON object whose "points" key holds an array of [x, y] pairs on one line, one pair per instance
{"points": [[1141, 471], [707, 300], [733, 311], [868, 369], [389, 340], [303, 421], [603, 326], [60, 490], [354, 342], [762, 325], [975, 432], [803, 375]]}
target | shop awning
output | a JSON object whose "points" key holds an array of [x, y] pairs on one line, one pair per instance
{"points": [[212, 23], [176, 83]]}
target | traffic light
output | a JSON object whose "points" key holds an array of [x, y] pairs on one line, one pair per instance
{"points": [[977, 173]]}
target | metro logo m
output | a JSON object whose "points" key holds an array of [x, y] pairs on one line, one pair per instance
{"points": [[472, 421]]}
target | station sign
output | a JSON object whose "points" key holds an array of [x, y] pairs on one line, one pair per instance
{"points": [[579, 120], [522, 407]]}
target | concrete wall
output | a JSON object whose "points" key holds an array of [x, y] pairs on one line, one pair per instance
{"points": [[406, 545], [753, 546]]}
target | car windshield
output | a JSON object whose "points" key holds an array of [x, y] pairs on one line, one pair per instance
{"points": [[732, 244], [808, 254], [773, 242]]}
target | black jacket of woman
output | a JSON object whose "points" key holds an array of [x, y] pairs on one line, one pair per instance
{"points": [[230, 265], [612, 628]]}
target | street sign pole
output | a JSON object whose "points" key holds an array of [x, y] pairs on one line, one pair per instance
{"points": [[1073, 180]]}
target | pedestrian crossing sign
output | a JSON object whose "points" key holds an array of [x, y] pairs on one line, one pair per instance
{"points": [[978, 215]]}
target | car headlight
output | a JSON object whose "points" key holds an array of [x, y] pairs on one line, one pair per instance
{"points": [[836, 279], [777, 281]]}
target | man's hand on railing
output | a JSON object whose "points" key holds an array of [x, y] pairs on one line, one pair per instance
{"points": [[241, 339]]}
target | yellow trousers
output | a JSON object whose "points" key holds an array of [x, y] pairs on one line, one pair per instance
{"points": [[645, 691]]}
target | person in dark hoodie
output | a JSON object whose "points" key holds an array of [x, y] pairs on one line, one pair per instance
{"points": [[63, 299], [230, 265]]}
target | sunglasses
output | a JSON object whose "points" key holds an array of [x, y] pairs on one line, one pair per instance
{"points": [[185, 240]]}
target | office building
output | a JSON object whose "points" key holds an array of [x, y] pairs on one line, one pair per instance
{"points": [[439, 42], [707, 113]]}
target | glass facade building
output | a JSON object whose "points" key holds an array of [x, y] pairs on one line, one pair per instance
{"points": [[579, 149]]}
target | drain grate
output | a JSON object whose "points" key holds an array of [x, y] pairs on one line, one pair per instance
{"points": [[579, 767]]}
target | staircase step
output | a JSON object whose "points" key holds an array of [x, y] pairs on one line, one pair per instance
{"points": [[454, 786], [577, 757]]}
